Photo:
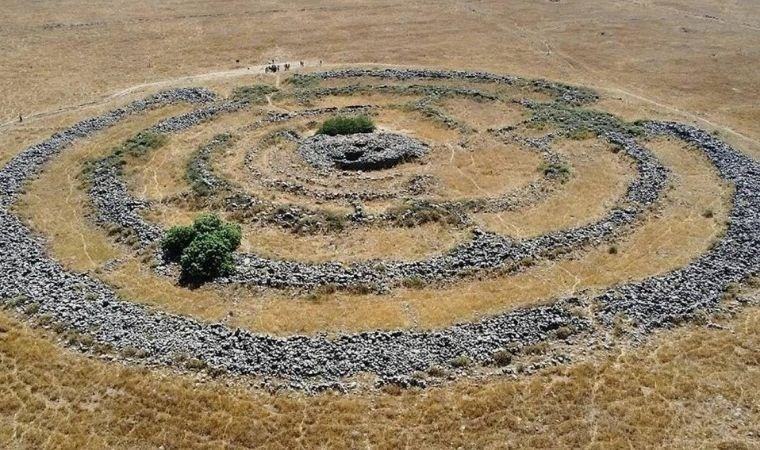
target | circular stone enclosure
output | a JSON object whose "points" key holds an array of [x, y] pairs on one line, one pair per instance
{"points": [[41, 288]]}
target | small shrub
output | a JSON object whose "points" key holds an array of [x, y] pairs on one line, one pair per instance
{"points": [[86, 340], [527, 261], [708, 214], [612, 250], [555, 170], [701, 317], [341, 125], [17, 301], [359, 289], [131, 240], [195, 364], [539, 348], [563, 332], [731, 292], [129, 351], [461, 361], [335, 222], [413, 282], [502, 358], [435, 371], [102, 348], [392, 389], [326, 289], [619, 324], [134, 352], [45, 319]]}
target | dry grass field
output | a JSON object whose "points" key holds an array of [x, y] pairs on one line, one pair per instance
{"points": [[695, 62], [687, 388]]}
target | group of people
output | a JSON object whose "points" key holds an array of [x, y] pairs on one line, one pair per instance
{"points": [[273, 67]]}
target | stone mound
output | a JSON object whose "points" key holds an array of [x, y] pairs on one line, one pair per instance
{"points": [[361, 151]]}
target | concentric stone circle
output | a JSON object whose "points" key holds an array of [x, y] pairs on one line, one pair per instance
{"points": [[307, 362]]}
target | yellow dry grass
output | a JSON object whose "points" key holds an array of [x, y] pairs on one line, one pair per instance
{"points": [[483, 115], [349, 245], [484, 167], [60, 202], [678, 234], [686, 388], [17, 136], [599, 178], [354, 245], [379, 99], [641, 53], [161, 173]]}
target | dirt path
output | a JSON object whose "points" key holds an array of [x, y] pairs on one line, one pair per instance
{"points": [[189, 79], [217, 75]]}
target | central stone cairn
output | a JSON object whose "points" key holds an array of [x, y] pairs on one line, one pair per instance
{"points": [[360, 151]]}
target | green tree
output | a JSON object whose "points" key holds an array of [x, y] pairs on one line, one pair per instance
{"points": [[207, 257], [176, 240], [204, 249]]}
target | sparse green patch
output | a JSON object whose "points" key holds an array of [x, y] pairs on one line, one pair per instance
{"points": [[502, 358], [141, 144], [413, 283], [435, 371], [579, 123], [417, 213], [564, 332], [197, 177], [342, 125], [255, 94], [303, 81], [461, 361], [558, 170]]}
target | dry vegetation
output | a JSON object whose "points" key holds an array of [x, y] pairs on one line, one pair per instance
{"points": [[61, 198], [688, 387], [599, 179], [161, 174]]}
